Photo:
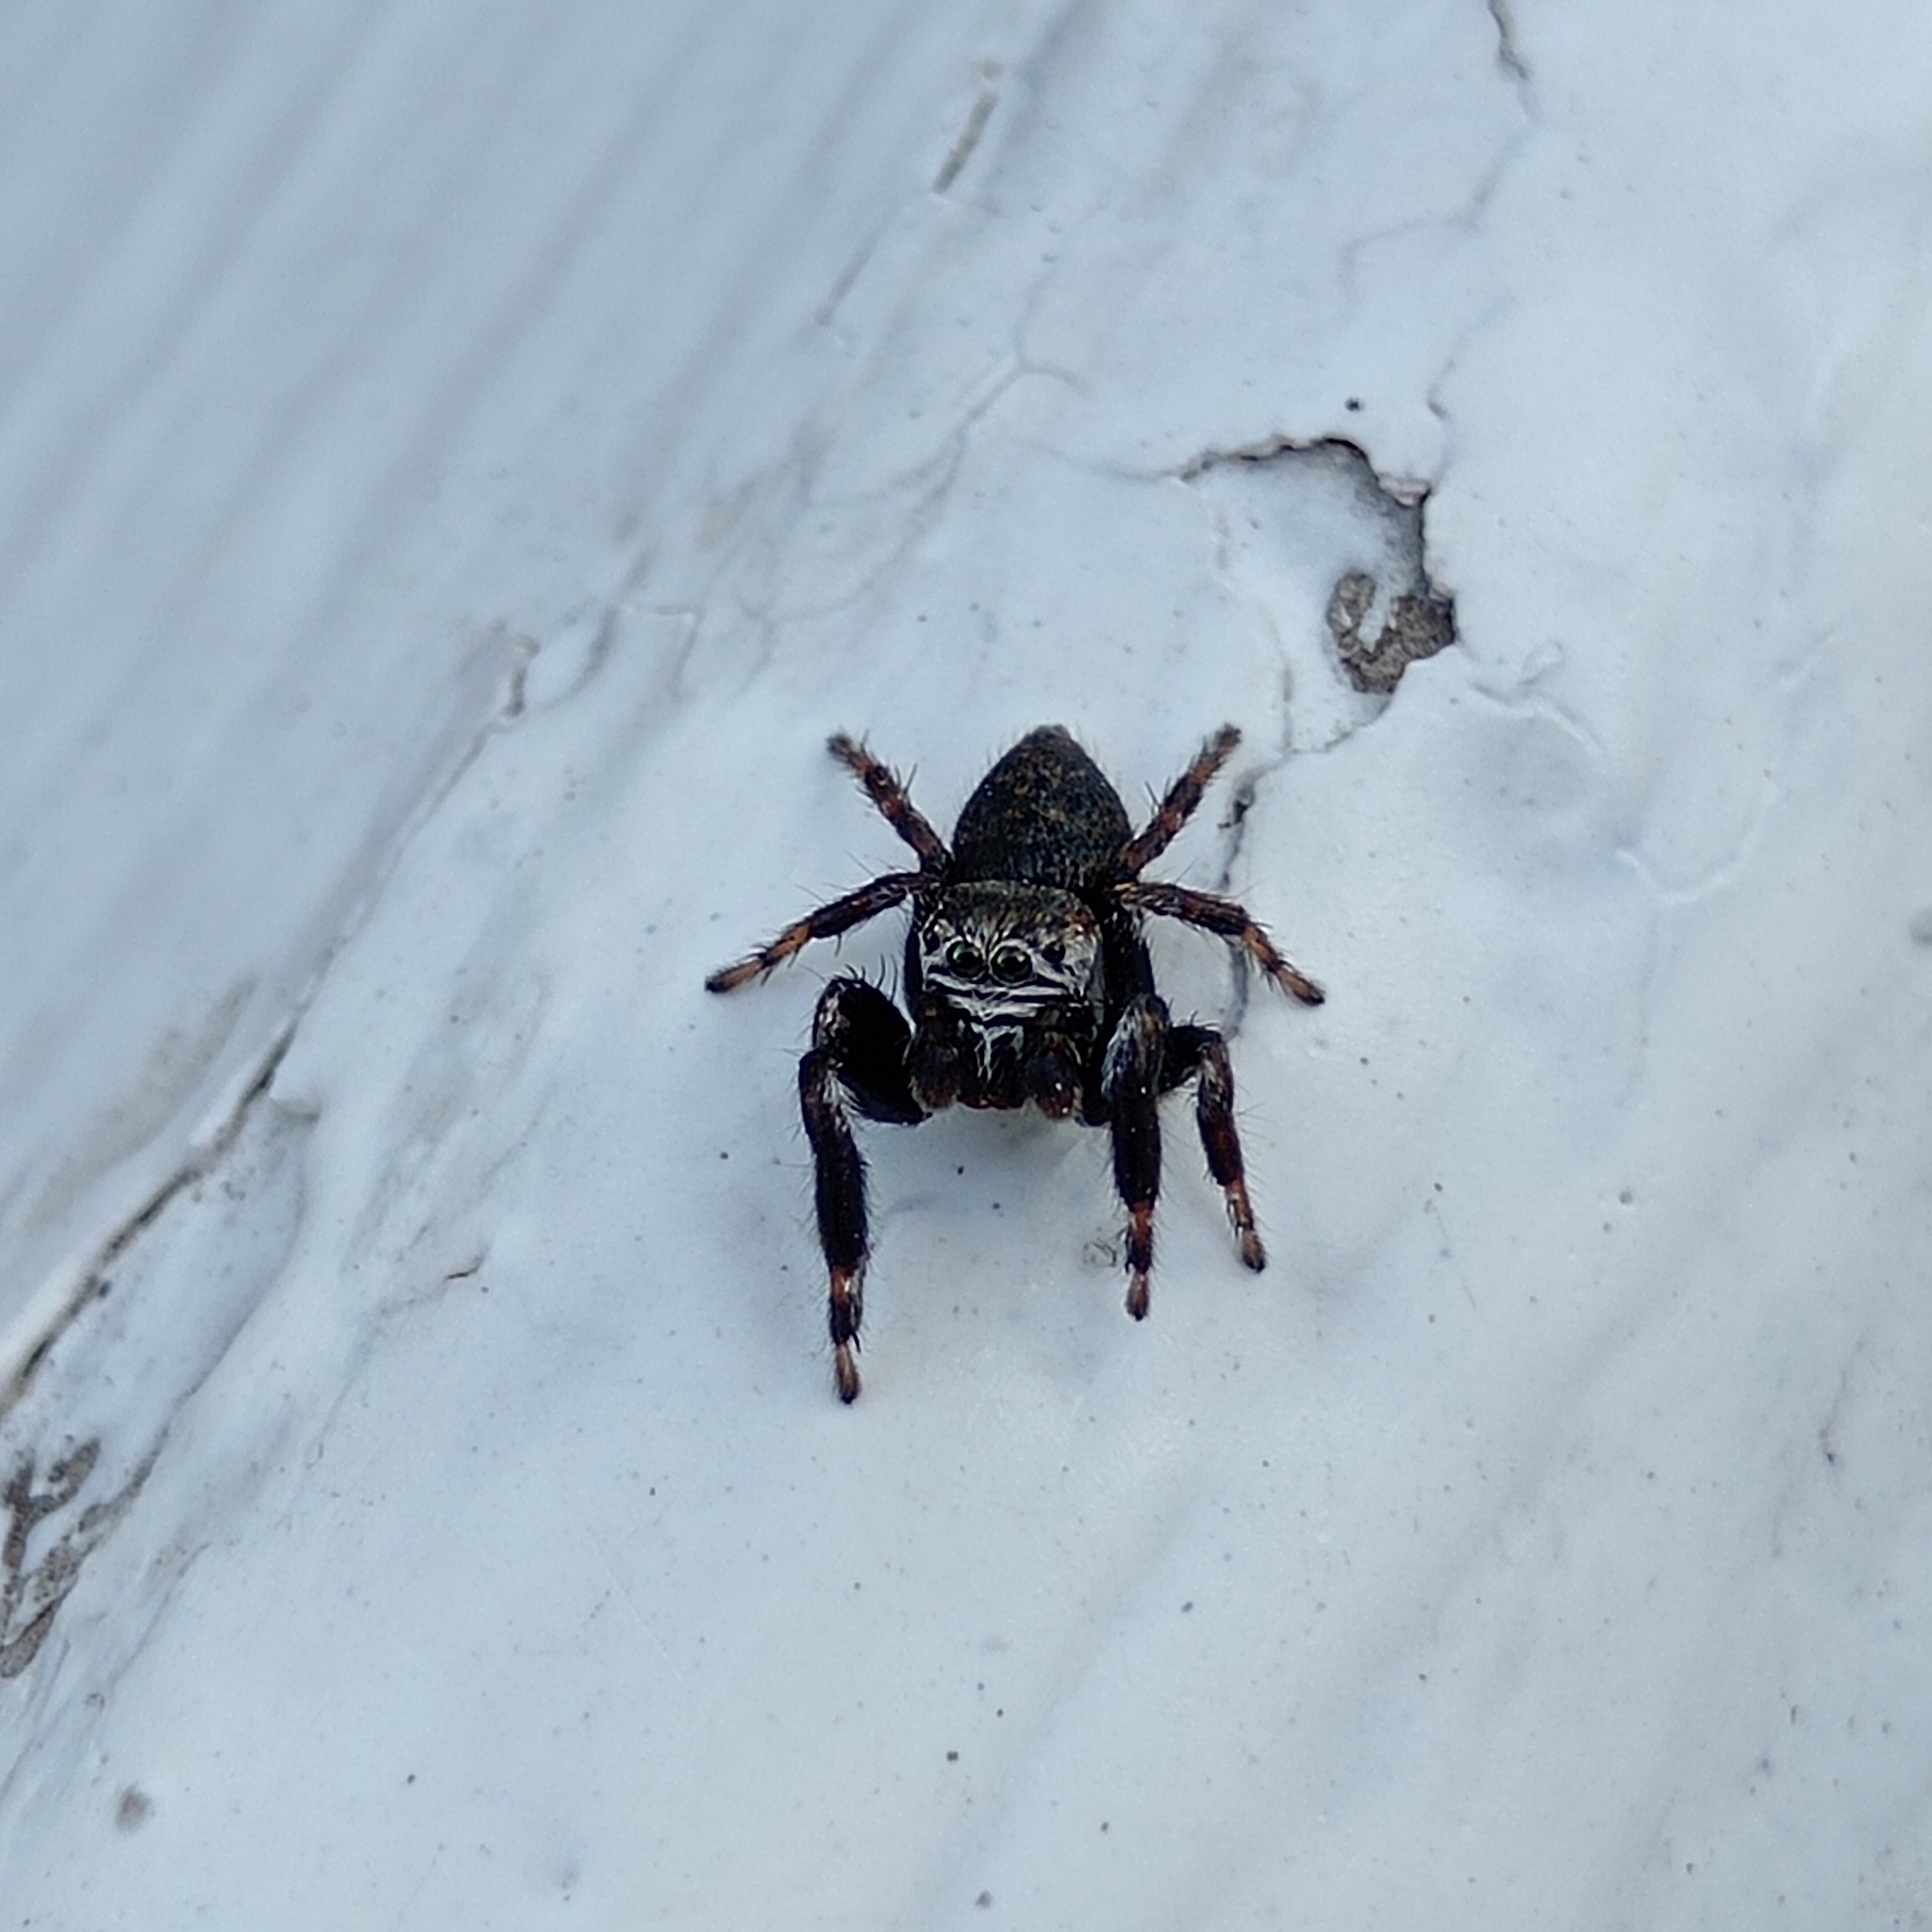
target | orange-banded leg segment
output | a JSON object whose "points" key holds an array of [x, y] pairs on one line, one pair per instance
{"points": [[1202, 1052], [822, 922], [1183, 799], [1222, 916], [886, 790]]}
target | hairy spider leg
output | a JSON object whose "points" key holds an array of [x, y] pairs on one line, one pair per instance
{"points": [[822, 922], [857, 1061], [1182, 798], [886, 790], [1225, 917], [1202, 1052], [1130, 1075]]}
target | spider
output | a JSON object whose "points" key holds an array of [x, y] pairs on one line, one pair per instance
{"points": [[1029, 981]]}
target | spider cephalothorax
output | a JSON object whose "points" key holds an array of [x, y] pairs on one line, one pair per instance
{"points": [[1028, 982]]}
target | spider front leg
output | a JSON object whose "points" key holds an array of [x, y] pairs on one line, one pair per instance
{"points": [[886, 790], [857, 1062], [1222, 916], [1130, 1086], [822, 922], [1202, 1052], [1182, 798]]}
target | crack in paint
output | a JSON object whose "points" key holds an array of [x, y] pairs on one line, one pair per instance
{"points": [[32, 1591], [1507, 57], [30, 1596], [97, 1277], [1291, 516], [969, 135]]}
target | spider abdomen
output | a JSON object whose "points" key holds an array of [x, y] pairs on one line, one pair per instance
{"points": [[1044, 815]]}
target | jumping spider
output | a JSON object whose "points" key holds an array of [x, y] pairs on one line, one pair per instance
{"points": [[1027, 979]]}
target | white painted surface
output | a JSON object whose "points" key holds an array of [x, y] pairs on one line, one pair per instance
{"points": [[454, 471]]}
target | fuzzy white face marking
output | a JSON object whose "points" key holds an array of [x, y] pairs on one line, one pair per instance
{"points": [[1004, 954]]}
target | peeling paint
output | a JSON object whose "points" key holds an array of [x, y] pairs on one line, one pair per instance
{"points": [[1332, 558], [87, 1412]]}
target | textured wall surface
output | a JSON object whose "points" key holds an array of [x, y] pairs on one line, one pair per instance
{"points": [[455, 466]]}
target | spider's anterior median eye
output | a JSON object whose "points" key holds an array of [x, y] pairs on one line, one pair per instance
{"points": [[1011, 964], [963, 959]]}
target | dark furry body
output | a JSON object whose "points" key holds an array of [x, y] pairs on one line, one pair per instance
{"points": [[1029, 981]]}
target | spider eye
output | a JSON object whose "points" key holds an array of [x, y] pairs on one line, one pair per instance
{"points": [[1011, 964], [964, 959]]}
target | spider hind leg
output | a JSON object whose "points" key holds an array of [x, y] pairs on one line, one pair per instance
{"points": [[1130, 1087], [856, 1064], [1201, 1051]]}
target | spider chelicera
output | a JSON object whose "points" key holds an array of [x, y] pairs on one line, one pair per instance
{"points": [[1029, 981]]}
